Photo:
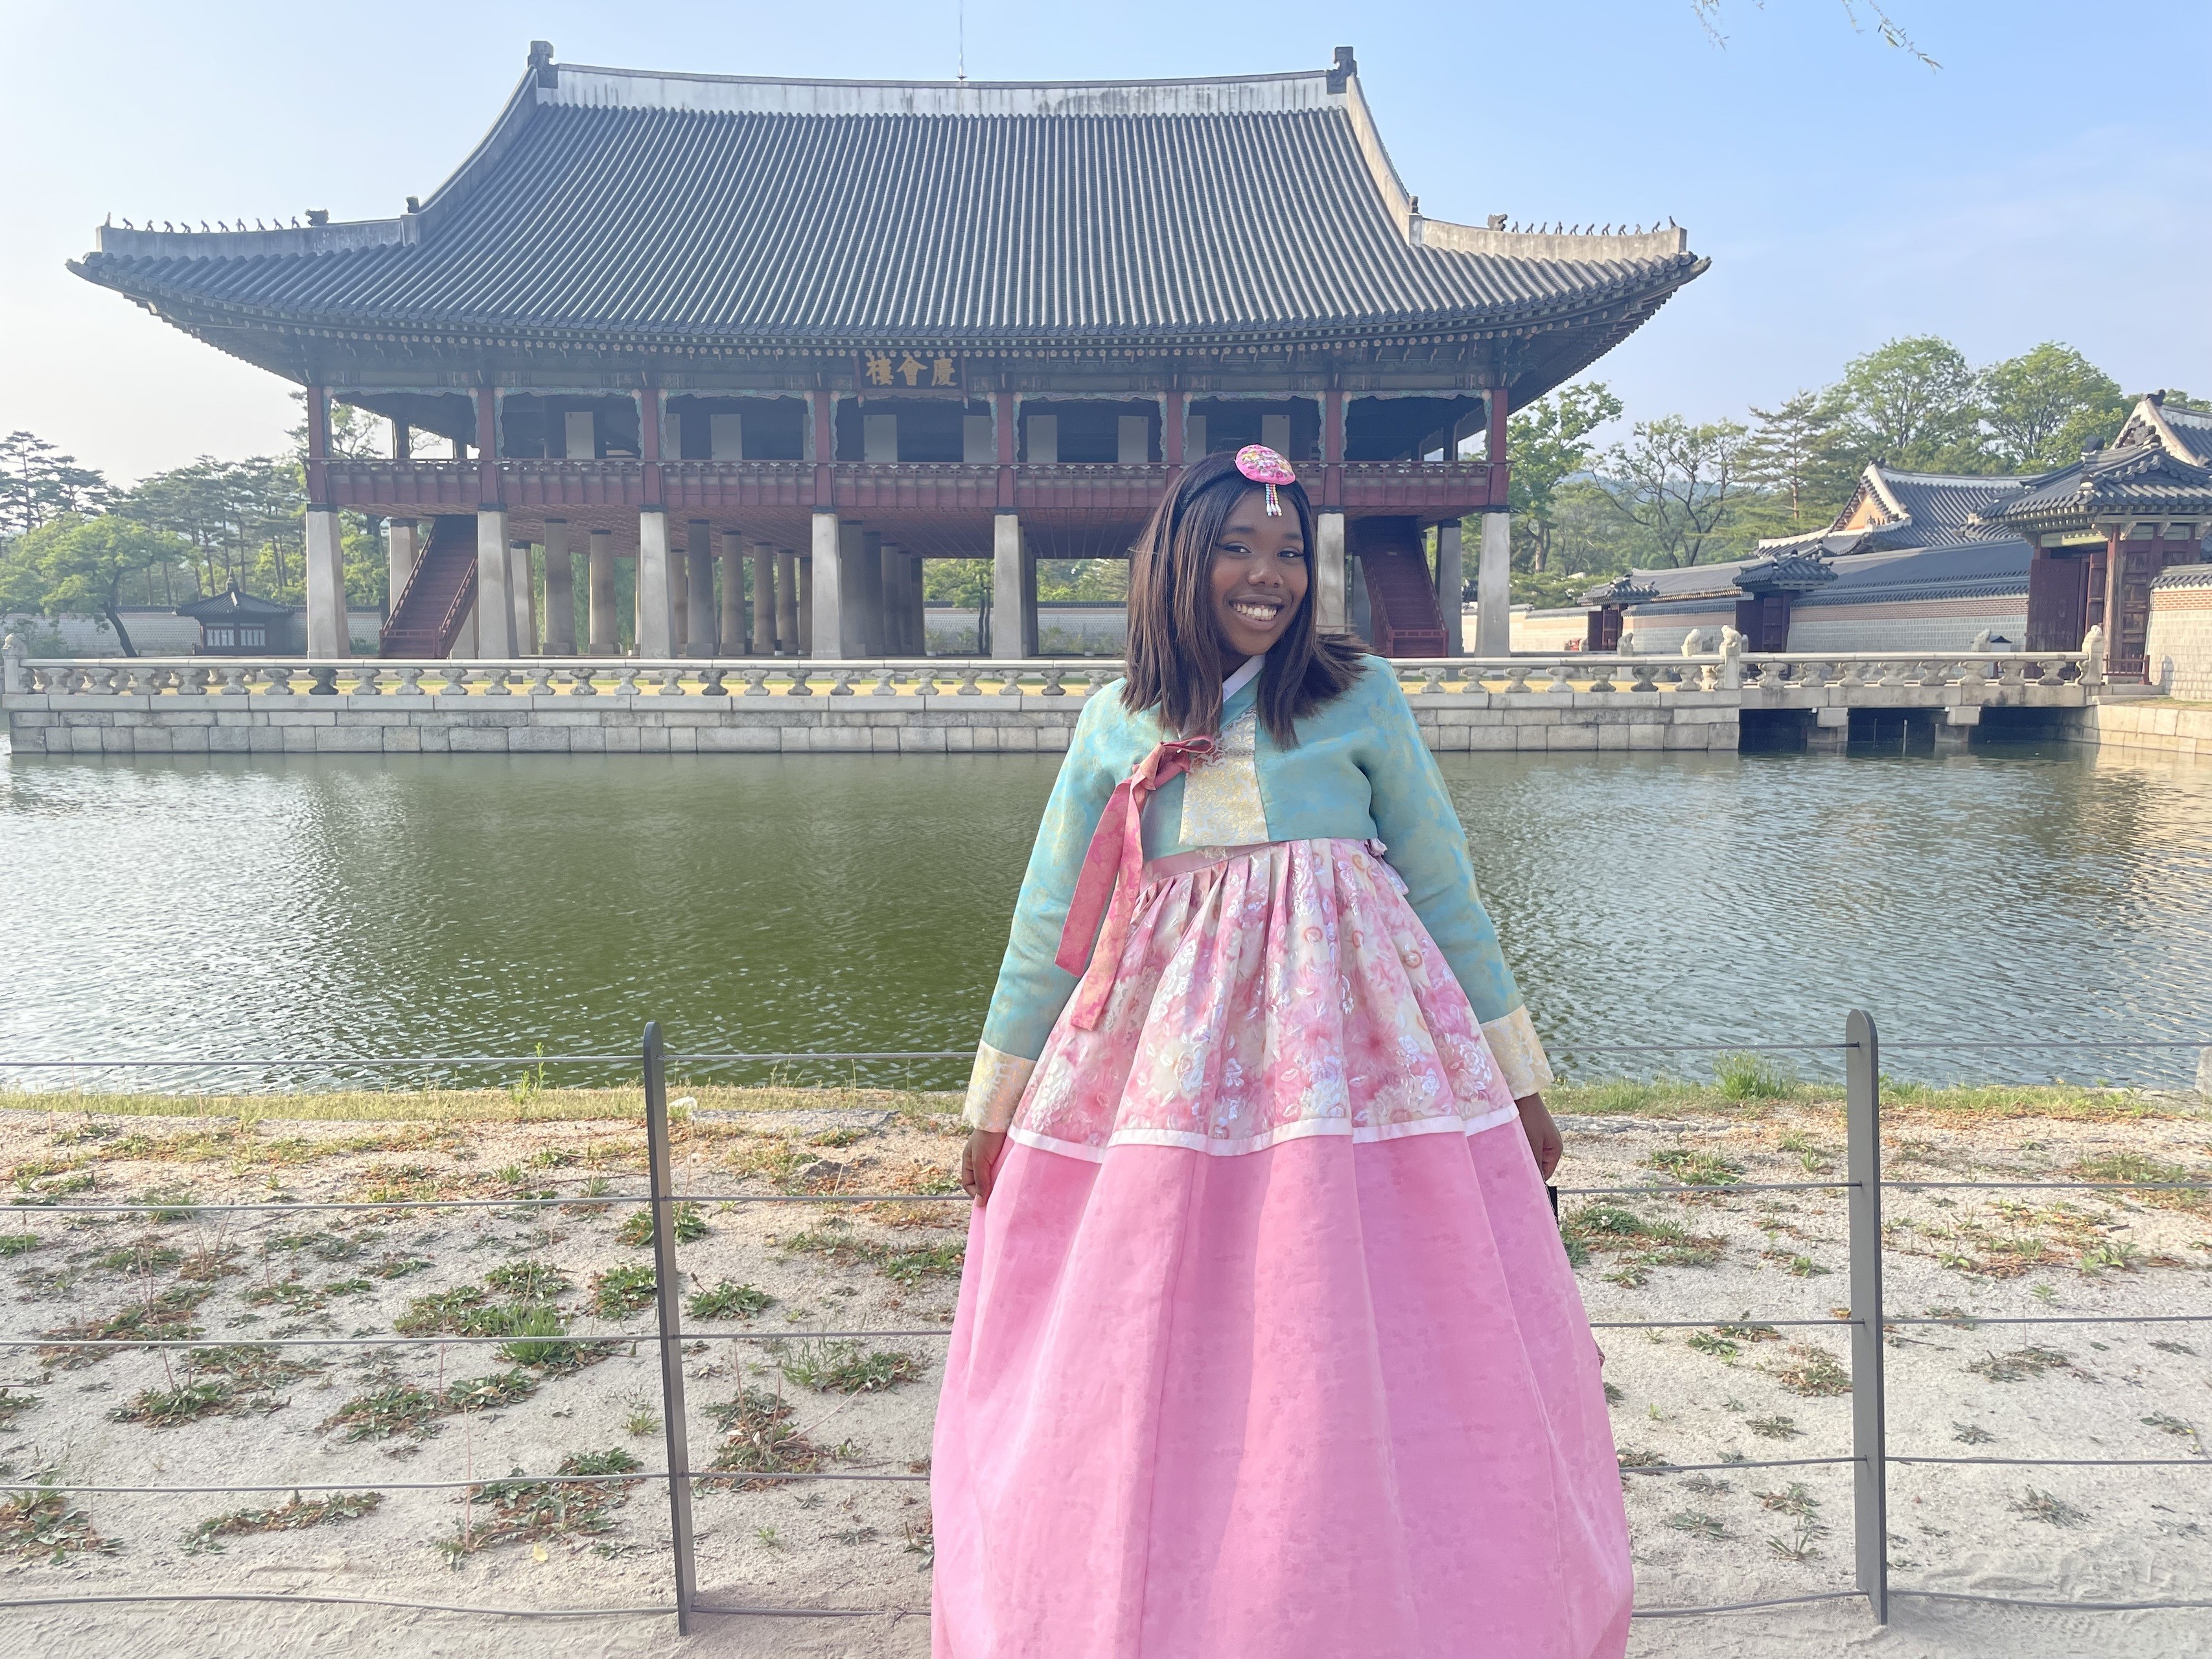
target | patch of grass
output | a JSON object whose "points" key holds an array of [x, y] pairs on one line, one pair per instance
{"points": [[1971, 1434], [463, 1310], [169, 1204], [903, 1265], [541, 1340], [844, 1367], [1633, 1458], [1803, 1266], [402, 1409], [2135, 1166], [1698, 1524], [644, 1417], [2047, 1507], [1695, 1169], [1751, 1077], [41, 1524], [690, 1226], [1812, 1156], [168, 1316], [1641, 1242], [14, 1405], [1774, 1428], [1798, 1544], [1813, 1372], [206, 1537], [2112, 1253], [529, 1281], [2020, 1365], [728, 1301], [143, 1258], [2180, 1428], [761, 1439], [1719, 1346], [621, 1291], [536, 1511], [1792, 1499], [17, 1243]]}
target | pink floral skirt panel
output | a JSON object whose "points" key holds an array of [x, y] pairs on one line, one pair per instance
{"points": [[1271, 993]]}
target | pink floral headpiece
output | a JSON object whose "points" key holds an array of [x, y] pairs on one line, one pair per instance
{"points": [[1263, 465]]}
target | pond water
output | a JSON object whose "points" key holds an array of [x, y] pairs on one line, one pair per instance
{"points": [[315, 907]]}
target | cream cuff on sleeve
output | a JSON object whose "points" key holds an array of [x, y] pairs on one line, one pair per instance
{"points": [[1516, 1047], [995, 1089]]}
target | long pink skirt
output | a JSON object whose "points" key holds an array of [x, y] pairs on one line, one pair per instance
{"points": [[1259, 1355]]}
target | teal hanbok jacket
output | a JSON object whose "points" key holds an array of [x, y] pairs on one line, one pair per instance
{"points": [[1357, 772]]}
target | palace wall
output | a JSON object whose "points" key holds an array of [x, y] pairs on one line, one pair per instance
{"points": [[2180, 643]]}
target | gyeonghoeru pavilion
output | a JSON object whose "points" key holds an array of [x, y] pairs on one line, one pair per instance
{"points": [[829, 328]]}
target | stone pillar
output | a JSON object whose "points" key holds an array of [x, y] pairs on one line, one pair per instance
{"points": [[803, 586], [1494, 587], [700, 637], [679, 600], [1451, 578], [731, 642], [918, 601], [522, 590], [1330, 613], [656, 597], [1013, 623], [606, 634], [560, 591], [326, 610], [764, 600], [868, 594], [793, 611], [825, 580], [495, 600], [402, 546]]}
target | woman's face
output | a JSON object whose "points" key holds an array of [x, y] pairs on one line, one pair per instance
{"points": [[1259, 575]]}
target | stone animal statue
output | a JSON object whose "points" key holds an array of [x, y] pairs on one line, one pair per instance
{"points": [[1981, 643], [1731, 669], [1696, 642]]}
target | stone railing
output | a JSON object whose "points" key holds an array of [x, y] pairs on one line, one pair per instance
{"points": [[1050, 676]]}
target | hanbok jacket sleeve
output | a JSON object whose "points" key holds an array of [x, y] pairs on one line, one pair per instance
{"points": [[1427, 846], [1032, 988]]}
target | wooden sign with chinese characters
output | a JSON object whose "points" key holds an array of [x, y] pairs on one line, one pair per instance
{"points": [[906, 370]]}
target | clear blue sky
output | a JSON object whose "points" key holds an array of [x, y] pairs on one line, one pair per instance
{"points": [[2049, 182]]}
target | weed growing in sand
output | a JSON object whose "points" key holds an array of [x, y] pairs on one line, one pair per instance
{"points": [[540, 1340], [1639, 1457], [2043, 1506], [1813, 1372], [621, 1291], [1614, 1395], [728, 1301], [920, 1538], [168, 1315], [1814, 1158], [846, 1368], [535, 1512], [1792, 1499], [1803, 1266], [2020, 1365], [1972, 1434], [2117, 1254], [529, 1281], [2135, 1166], [1641, 1242], [14, 1405], [643, 1418], [1695, 1169], [1698, 1524], [460, 1311], [206, 1538], [1705, 1487], [1798, 1545], [2174, 1348], [1774, 1428], [41, 1523], [903, 1265], [1719, 1346], [761, 1439], [2180, 1428], [637, 1229], [400, 1409], [17, 1243], [766, 1538]]}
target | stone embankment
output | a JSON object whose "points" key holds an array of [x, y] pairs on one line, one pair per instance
{"points": [[204, 705]]}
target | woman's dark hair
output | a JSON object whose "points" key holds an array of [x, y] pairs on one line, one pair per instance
{"points": [[1174, 643]]}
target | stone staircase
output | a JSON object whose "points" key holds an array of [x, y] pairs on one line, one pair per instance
{"points": [[430, 610], [1401, 597]]}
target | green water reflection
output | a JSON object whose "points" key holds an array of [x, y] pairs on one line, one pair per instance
{"points": [[427, 905]]}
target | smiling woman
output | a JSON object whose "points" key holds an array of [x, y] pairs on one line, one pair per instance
{"points": [[1262, 1281]]}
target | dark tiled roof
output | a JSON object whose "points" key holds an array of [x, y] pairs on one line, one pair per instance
{"points": [[1983, 569], [2184, 575], [729, 214], [1795, 571], [2145, 479], [230, 603], [1939, 508]]}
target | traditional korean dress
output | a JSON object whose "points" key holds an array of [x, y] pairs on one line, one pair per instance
{"points": [[1267, 1346]]}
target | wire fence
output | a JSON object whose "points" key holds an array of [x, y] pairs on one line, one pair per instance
{"points": [[1866, 1321]]}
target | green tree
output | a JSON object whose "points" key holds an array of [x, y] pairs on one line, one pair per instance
{"points": [[1547, 443], [2043, 406], [39, 483], [1912, 403], [76, 566], [1790, 453], [1681, 484]]}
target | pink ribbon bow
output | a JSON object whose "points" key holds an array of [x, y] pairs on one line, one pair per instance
{"points": [[1112, 871]]}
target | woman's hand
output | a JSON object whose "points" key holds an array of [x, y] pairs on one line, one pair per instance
{"points": [[1543, 1133], [979, 1158]]}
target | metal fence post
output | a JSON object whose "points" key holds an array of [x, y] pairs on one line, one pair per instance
{"points": [[1869, 1444], [669, 1310]]}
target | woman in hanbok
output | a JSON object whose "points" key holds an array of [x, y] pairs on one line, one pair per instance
{"points": [[1267, 1346]]}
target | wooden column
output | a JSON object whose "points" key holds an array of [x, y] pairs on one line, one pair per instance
{"points": [[699, 631], [822, 432], [487, 489], [734, 594], [765, 643], [1002, 432], [319, 446]]}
